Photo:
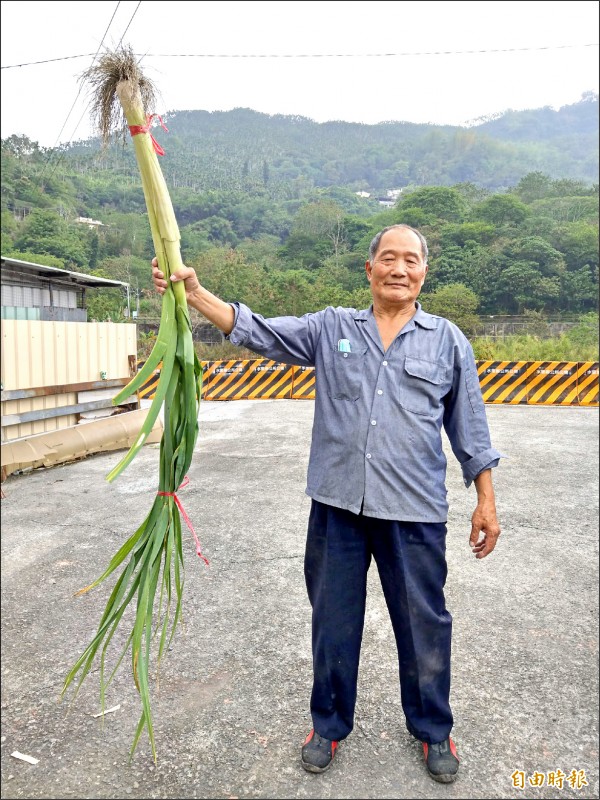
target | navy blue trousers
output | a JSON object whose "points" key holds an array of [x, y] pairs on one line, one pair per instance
{"points": [[411, 560]]}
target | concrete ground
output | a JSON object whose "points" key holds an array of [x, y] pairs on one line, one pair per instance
{"points": [[231, 708]]}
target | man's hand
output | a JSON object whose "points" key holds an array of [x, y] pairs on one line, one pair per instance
{"points": [[485, 530], [221, 314], [186, 274]]}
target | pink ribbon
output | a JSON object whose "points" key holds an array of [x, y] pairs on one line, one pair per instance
{"points": [[135, 129], [188, 522]]}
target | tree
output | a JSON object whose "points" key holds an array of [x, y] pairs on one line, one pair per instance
{"points": [[501, 210], [46, 232], [467, 232], [579, 289], [9, 230], [293, 292], [437, 202], [304, 252], [105, 304], [455, 302], [20, 146], [568, 209], [536, 251], [456, 265], [533, 186], [322, 220], [226, 273], [522, 286], [585, 333]]}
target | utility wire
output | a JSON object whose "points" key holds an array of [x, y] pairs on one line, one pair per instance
{"points": [[96, 55], [321, 55], [129, 23], [75, 101], [80, 88]]}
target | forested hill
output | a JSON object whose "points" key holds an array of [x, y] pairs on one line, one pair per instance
{"points": [[279, 211], [240, 148]]}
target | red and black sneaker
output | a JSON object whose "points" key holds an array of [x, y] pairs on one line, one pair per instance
{"points": [[317, 752], [441, 760]]}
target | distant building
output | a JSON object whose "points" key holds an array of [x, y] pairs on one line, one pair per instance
{"points": [[91, 223], [36, 292], [363, 194], [390, 199]]}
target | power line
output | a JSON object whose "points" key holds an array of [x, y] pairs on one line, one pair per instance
{"points": [[98, 50], [129, 23], [321, 55], [80, 88]]}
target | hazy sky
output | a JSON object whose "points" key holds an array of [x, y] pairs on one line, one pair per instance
{"points": [[356, 61]]}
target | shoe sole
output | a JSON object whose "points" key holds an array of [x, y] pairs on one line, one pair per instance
{"points": [[444, 778], [316, 770]]}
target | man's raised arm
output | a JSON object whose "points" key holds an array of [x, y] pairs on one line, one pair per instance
{"points": [[215, 310]]}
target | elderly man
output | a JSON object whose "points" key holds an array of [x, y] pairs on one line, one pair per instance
{"points": [[388, 379]]}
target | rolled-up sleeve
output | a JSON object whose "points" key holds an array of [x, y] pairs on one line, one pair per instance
{"points": [[487, 460]]}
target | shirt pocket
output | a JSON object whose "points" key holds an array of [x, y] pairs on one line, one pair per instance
{"points": [[345, 375], [422, 386]]}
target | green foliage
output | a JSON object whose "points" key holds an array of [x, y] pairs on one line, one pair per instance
{"points": [[584, 335], [567, 209], [36, 258], [304, 251], [484, 348], [225, 351], [533, 186], [269, 213], [466, 233], [105, 305], [455, 302], [145, 344], [438, 203], [45, 232], [580, 342], [537, 186], [532, 348], [226, 273], [537, 324], [578, 242], [502, 210]]}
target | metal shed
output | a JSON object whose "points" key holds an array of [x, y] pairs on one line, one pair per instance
{"points": [[37, 292], [57, 369]]}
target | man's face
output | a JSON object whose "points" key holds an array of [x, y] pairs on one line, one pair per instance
{"points": [[398, 270]]}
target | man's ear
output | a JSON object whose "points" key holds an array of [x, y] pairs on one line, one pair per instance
{"points": [[368, 269]]}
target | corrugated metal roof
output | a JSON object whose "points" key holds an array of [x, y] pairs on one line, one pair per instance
{"points": [[78, 278]]}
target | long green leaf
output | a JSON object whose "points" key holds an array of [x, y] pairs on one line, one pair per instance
{"points": [[153, 411]]}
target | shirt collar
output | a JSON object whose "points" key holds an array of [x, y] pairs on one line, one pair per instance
{"points": [[421, 317]]}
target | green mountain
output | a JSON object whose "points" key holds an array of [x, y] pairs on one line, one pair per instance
{"points": [[278, 211], [241, 149]]}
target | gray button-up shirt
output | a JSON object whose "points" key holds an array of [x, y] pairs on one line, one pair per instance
{"points": [[376, 438]]}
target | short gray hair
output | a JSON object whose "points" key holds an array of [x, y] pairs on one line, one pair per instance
{"points": [[374, 246]]}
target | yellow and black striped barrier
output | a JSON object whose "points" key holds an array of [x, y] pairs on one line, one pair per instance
{"points": [[587, 384], [547, 383], [303, 386], [148, 389], [251, 379]]}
